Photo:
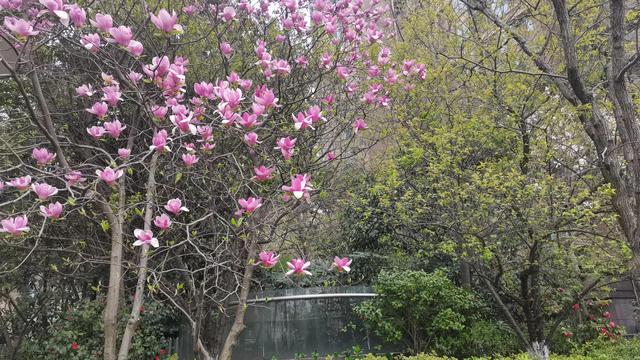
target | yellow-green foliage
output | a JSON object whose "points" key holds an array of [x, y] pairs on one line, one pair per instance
{"points": [[514, 357], [622, 350]]}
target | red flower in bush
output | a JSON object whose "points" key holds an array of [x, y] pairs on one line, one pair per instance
{"points": [[74, 346], [606, 315], [567, 334], [576, 307], [163, 352], [604, 331], [612, 324]]}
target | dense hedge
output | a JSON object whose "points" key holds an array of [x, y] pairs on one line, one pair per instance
{"points": [[621, 350]]}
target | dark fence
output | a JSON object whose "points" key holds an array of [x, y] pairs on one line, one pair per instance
{"points": [[287, 323], [623, 307]]}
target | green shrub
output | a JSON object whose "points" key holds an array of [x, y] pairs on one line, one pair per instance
{"points": [[620, 350], [427, 312], [78, 334], [486, 338]]}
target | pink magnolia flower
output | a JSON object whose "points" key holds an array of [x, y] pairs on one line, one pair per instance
{"points": [[300, 186], [228, 14], [159, 141], [99, 109], [162, 222], [265, 97], [226, 49], [166, 22], [315, 114], [74, 177], [268, 259], [10, 4], [301, 121], [329, 100], [184, 122], [108, 79], [19, 27], [249, 120], [15, 225], [341, 264], [208, 146], [262, 173], [52, 211], [121, 35], [331, 156], [343, 72], [20, 183], [326, 60], [109, 175], [78, 15], [85, 90], [391, 77], [298, 267], [42, 156], [250, 204], [91, 42], [102, 22], [190, 147], [233, 78], [114, 128], [203, 89], [56, 7], [246, 84], [190, 9], [96, 132], [159, 67], [281, 67], [302, 61], [135, 48], [159, 112], [251, 139], [124, 153], [384, 56], [206, 132], [175, 207], [258, 109], [359, 125], [286, 145], [43, 190], [230, 98], [189, 159], [135, 77], [145, 237]]}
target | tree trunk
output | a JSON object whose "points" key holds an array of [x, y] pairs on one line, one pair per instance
{"points": [[110, 316], [465, 274], [113, 293], [538, 350], [241, 308], [138, 298]]}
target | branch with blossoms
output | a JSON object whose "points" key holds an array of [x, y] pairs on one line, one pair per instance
{"points": [[218, 116]]}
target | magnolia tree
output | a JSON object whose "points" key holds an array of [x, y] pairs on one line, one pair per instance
{"points": [[188, 135]]}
